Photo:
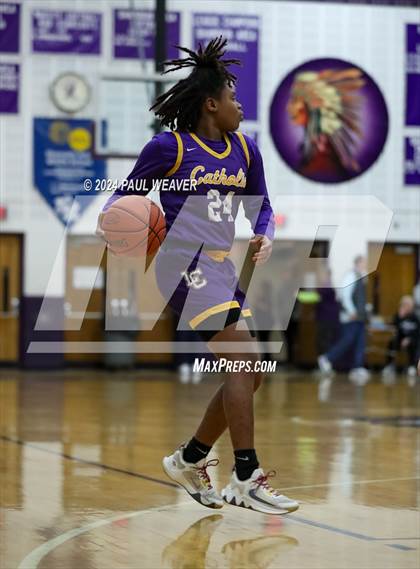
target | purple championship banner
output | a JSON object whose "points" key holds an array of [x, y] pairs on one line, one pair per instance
{"points": [[134, 34], [9, 88], [412, 161], [54, 31], [9, 27], [412, 106], [242, 33]]}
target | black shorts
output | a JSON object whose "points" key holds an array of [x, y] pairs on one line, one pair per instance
{"points": [[234, 315]]}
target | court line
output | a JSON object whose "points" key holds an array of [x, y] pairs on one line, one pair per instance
{"points": [[172, 484], [351, 483], [347, 533], [397, 538], [32, 560], [359, 421], [298, 519], [89, 462], [402, 547]]}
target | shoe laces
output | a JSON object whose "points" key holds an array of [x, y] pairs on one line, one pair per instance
{"points": [[202, 471], [262, 482]]}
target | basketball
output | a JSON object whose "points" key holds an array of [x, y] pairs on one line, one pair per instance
{"points": [[134, 226]]}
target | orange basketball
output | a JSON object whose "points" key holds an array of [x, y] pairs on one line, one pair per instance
{"points": [[134, 226]]}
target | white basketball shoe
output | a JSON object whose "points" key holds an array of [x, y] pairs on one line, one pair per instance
{"points": [[359, 376], [193, 478], [256, 494], [325, 366]]}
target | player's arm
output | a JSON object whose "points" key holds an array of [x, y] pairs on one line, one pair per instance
{"points": [[260, 215]]}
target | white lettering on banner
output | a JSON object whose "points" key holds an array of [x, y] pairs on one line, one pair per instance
{"points": [[9, 78]]}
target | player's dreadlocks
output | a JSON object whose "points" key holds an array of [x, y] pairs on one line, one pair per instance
{"points": [[180, 107]]}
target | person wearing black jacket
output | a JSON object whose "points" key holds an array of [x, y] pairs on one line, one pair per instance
{"points": [[406, 337]]}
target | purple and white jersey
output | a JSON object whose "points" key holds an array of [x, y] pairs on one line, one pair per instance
{"points": [[225, 171]]}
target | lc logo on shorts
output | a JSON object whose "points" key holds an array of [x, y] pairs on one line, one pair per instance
{"points": [[329, 120], [194, 278]]}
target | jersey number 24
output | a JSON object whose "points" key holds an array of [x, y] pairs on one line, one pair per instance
{"points": [[217, 206]]}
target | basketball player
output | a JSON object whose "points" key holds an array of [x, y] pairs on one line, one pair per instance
{"points": [[204, 144]]}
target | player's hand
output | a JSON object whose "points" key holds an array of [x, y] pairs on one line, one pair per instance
{"points": [[405, 342], [265, 247], [99, 231], [418, 369]]}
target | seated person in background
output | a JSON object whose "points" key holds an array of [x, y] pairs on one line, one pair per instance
{"points": [[406, 337]]}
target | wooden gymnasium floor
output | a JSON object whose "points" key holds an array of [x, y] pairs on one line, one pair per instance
{"points": [[82, 485]]}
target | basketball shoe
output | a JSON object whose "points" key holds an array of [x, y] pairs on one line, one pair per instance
{"points": [[359, 376], [325, 366], [256, 494], [193, 478]]}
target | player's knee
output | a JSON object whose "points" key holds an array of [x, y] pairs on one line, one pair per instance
{"points": [[258, 374]]}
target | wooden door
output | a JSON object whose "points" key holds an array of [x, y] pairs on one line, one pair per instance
{"points": [[116, 289], [394, 277], [85, 283], [10, 296]]}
